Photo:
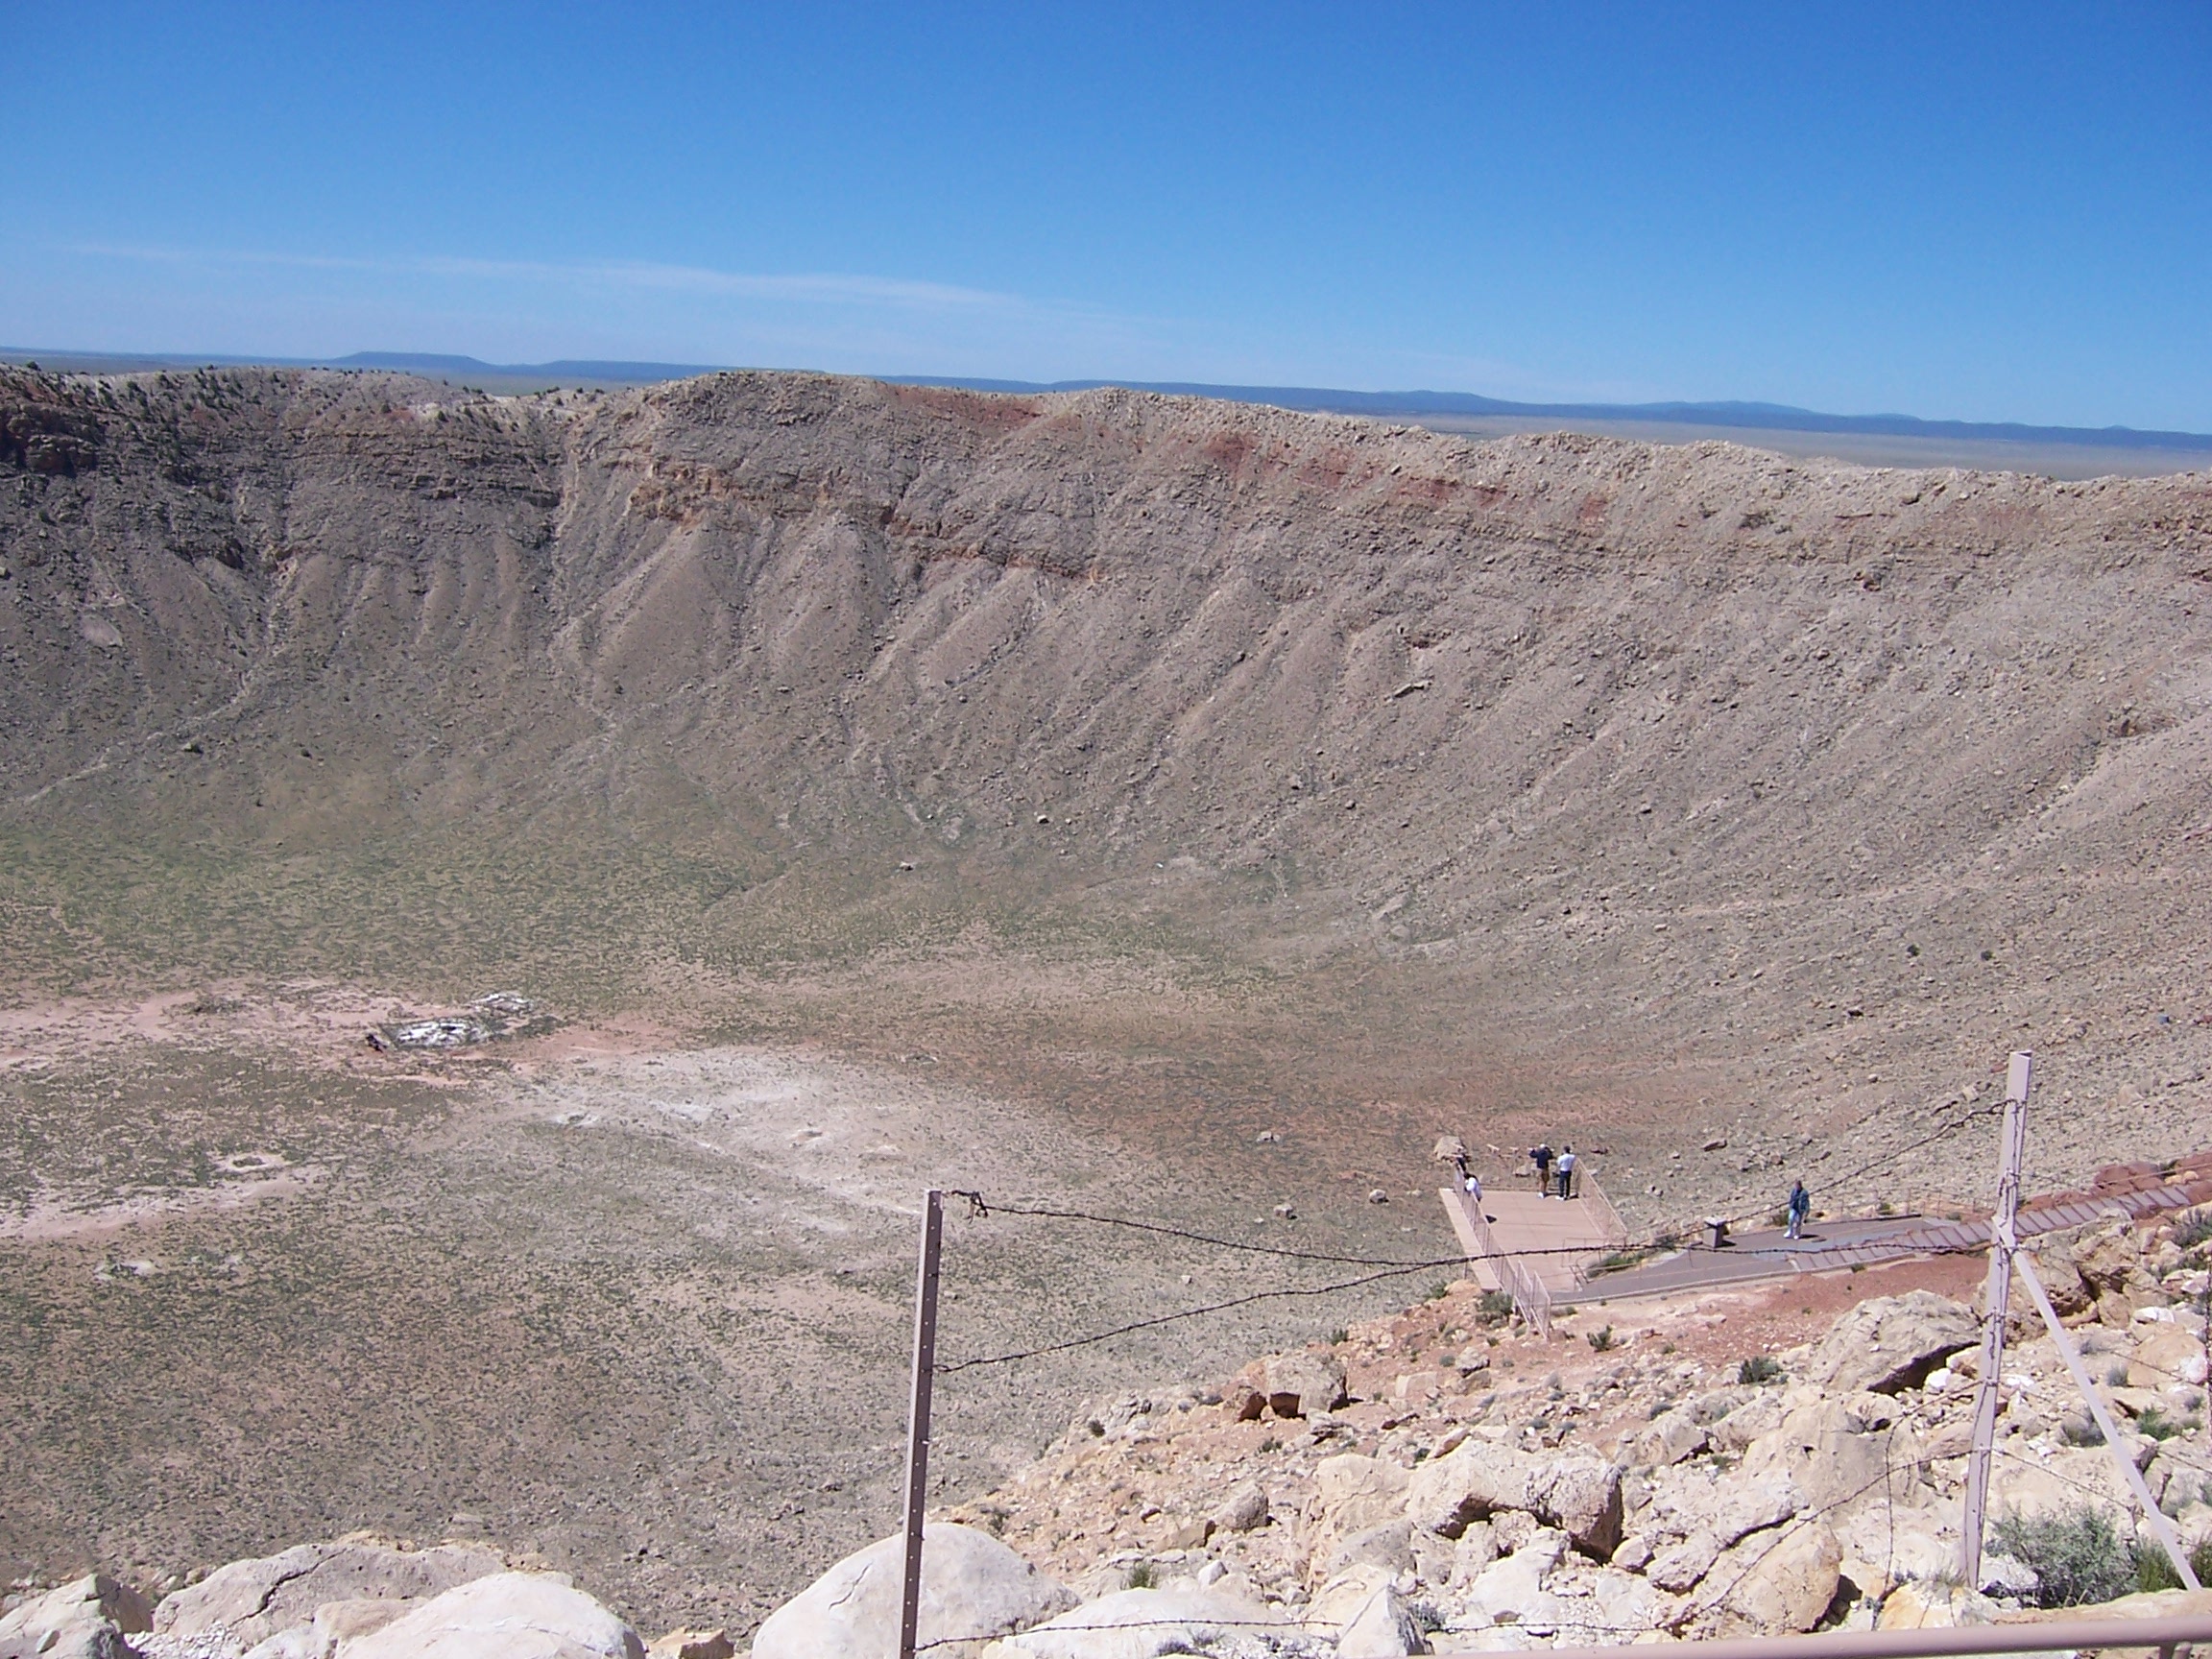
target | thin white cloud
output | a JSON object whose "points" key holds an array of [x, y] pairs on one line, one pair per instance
{"points": [[802, 288]]}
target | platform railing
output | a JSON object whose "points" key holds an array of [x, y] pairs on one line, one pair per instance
{"points": [[1530, 1299]]}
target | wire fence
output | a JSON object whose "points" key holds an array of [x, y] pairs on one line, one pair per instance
{"points": [[1708, 1596]]}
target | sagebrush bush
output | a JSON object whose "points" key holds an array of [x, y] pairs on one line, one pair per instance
{"points": [[2153, 1572], [2076, 1554]]}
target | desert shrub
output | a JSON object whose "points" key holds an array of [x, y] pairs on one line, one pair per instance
{"points": [[1618, 1262], [1495, 1305], [1758, 1368], [2081, 1432], [2155, 1571], [2116, 1373], [2157, 1426], [2076, 1554], [1602, 1339], [1339, 1336], [1141, 1575], [2194, 1228]]}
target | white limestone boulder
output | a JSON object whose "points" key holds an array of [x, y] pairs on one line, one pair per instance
{"points": [[252, 1600], [973, 1589], [1892, 1342], [1142, 1625], [506, 1616], [1578, 1494], [86, 1619]]}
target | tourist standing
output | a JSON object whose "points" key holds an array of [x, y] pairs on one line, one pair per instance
{"points": [[1566, 1172], [1800, 1209]]}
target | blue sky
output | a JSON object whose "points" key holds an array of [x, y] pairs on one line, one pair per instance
{"points": [[1999, 212]]}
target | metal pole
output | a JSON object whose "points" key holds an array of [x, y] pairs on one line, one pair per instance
{"points": [[2003, 1239], [918, 1417], [2153, 1516]]}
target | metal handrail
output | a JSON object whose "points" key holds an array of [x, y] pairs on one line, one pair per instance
{"points": [[1530, 1299], [1600, 1209], [1949, 1642]]}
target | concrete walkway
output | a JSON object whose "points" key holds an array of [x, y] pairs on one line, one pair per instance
{"points": [[1561, 1241]]}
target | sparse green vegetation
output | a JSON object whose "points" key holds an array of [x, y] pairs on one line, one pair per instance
{"points": [[1601, 1338], [2157, 1426], [1758, 1368], [2076, 1554], [2154, 1571]]}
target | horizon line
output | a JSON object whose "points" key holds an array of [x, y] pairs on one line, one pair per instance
{"points": [[1735, 414]]}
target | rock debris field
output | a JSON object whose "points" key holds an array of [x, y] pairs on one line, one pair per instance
{"points": [[1441, 1480]]}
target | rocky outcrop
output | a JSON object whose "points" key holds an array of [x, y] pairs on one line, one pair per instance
{"points": [[506, 1616], [1136, 1624], [88, 1619], [1307, 1381], [371, 1580], [1580, 1495], [1892, 1342], [973, 1589]]}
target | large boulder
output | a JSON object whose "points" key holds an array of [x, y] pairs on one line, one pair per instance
{"points": [[1727, 1506], [1582, 1495], [1835, 1453], [1514, 1589], [1307, 1381], [1383, 1628], [1892, 1342], [1340, 1599], [1389, 1546], [1772, 1583], [1671, 1436], [1135, 1625], [973, 1589], [1243, 1508], [2166, 1354], [506, 1616], [1932, 1605], [1353, 1495], [334, 1625], [2062, 1282], [1577, 1493], [1679, 1567], [87, 1619], [252, 1600]]}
